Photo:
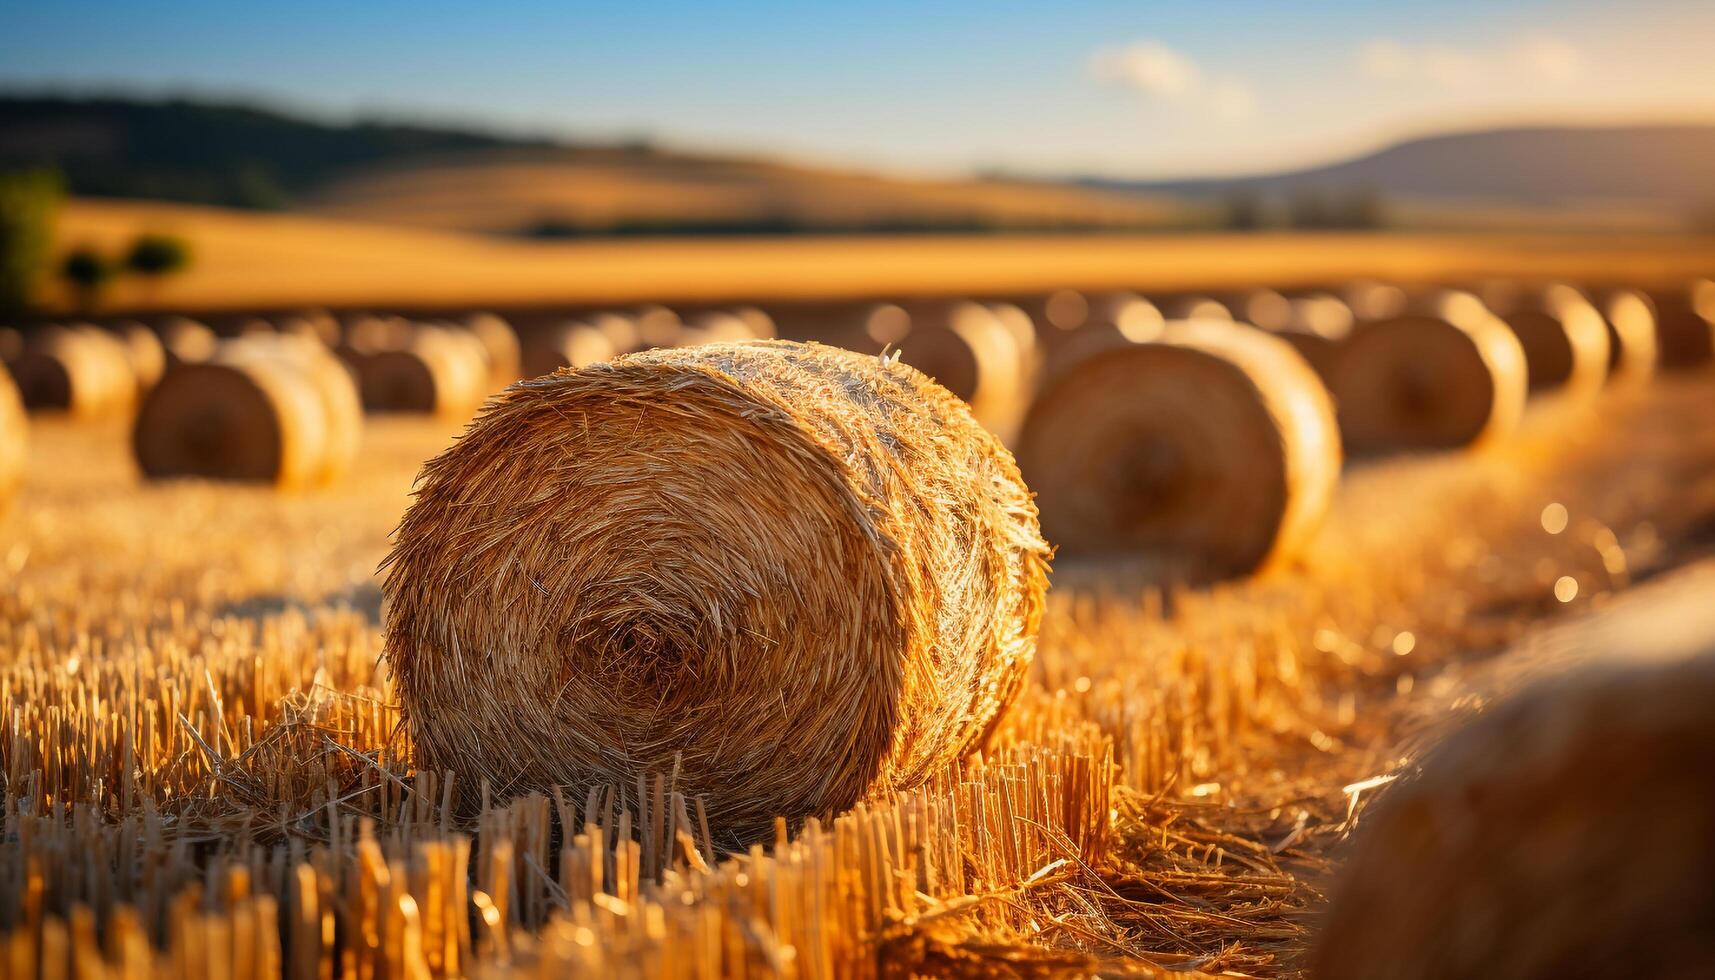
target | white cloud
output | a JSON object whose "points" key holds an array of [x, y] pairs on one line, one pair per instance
{"points": [[1163, 75], [1538, 59]]}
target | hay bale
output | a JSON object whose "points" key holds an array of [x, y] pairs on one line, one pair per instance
{"points": [[1564, 337], [965, 348], [1193, 307], [1265, 308], [435, 371], [1630, 320], [568, 345], [1021, 326], [796, 576], [715, 327], [1316, 326], [500, 347], [80, 370], [1370, 300], [1445, 376], [14, 438], [186, 341], [1685, 325], [1566, 833], [1115, 320], [1212, 449], [263, 409], [144, 352], [761, 325], [621, 331], [657, 326]]}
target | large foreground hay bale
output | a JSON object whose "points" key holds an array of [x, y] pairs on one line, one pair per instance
{"points": [[435, 371], [275, 410], [14, 438], [1212, 448], [575, 345], [1564, 337], [1685, 325], [964, 347], [1567, 833], [80, 370], [1630, 318], [796, 576], [1448, 375]]}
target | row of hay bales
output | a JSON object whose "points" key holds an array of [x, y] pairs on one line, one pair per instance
{"points": [[1207, 431]]}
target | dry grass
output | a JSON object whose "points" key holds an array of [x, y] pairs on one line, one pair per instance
{"points": [[250, 260], [199, 737]]}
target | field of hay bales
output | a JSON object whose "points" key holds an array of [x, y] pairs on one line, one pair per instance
{"points": [[308, 724]]}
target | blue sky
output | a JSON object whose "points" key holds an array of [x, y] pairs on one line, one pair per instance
{"points": [[1136, 88]]}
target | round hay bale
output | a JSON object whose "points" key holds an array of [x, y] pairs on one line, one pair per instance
{"points": [[1447, 376], [569, 345], [797, 576], [1114, 321], [437, 372], [1315, 326], [313, 324], [255, 412], [1065, 309], [1630, 319], [1685, 325], [1212, 448], [1565, 833], [967, 350], [499, 345], [757, 319], [144, 352], [1370, 300], [715, 327], [1564, 337], [621, 331], [1193, 308], [1023, 329], [336, 386], [80, 370], [187, 341], [14, 438], [1263, 308]]}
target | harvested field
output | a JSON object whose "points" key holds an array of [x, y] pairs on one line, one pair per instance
{"points": [[201, 740]]}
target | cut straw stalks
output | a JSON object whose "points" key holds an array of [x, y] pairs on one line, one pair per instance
{"points": [[1448, 375], [1685, 324], [716, 499], [79, 370], [14, 439], [275, 409], [1212, 450], [1565, 832]]}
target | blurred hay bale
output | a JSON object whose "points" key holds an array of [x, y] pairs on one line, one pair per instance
{"points": [[1114, 320], [964, 347], [1568, 832], [657, 326], [80, 370], [186, 341], [500, 346], [1370, 300], [1212, 448], [622, 332], [761, 325], [1315, 325], [1445, 376], [272, 409], [568, 345], [144, 351], [1564, 337], [1630, 319], [14, 438], [794, 576], [1685, 325], [11, 344], [715, 327], [1192, 306], [433, 371]]}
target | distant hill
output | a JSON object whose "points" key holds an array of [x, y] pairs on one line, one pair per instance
{"points": [[1649, 166], [241, 156]]}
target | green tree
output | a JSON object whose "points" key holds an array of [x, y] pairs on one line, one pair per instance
{"points": [[87, 272], [156, 256], [28, 203]]}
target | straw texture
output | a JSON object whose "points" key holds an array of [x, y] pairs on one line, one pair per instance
{"points": [[14, 438], [1213, 448], [794, 576], [268, 410], [1566, 833], [1447, 376]]}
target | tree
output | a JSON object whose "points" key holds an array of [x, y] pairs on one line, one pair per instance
{"points": [[156, 256], [28, 202], [87, 272]]}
